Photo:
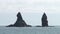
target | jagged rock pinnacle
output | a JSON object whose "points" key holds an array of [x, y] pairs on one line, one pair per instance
{"points": [[44, 20], [20, 22]]}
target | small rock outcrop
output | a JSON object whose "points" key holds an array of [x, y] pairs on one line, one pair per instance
{"points": [[44, 20], [20, 22]]}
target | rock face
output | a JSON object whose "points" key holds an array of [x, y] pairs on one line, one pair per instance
{"points": [[20, 22], [44, 20]]}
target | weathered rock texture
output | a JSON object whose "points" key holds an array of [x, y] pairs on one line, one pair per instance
{"points": [[20, 22], [44, 20]]}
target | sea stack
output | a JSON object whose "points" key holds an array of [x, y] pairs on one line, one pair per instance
{"points": [[20, 22], [44, 20]]}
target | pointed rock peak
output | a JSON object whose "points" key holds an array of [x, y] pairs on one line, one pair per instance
{"points": [[19, 15], [44, 13], [18, 12], [44, 16]]}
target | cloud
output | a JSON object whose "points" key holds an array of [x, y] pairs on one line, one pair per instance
{"points": [[30, 5]]}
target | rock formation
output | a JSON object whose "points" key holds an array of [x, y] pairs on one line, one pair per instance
{"points": [[20, 22], [44, 20]]}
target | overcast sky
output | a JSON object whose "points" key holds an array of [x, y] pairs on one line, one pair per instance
{"points": [[51, 6], [31, 11]]}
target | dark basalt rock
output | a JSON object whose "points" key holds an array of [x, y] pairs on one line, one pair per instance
{"points": [[20, 22], [38, 26], [29, 26], [44, 20]]}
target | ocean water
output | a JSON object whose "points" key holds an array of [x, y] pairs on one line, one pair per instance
{"points": [[29, 30]]}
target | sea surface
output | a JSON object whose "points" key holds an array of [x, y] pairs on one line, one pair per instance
{"points": [[29, 30]]}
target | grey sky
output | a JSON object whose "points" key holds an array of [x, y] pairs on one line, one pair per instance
{"points": [[30, 9], [39, 5]]}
